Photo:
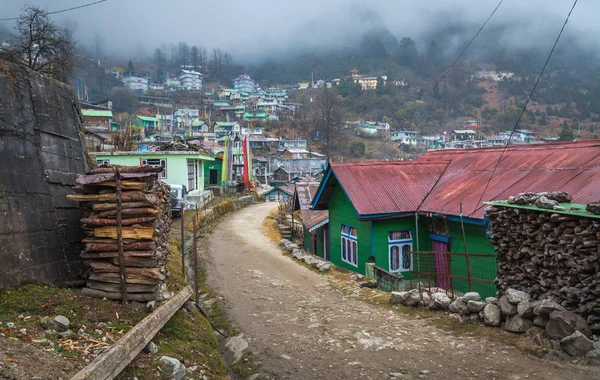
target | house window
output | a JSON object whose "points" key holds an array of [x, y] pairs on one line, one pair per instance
{"points": [[157, 163], [191, 172], [349, 245], [102, 162], [400, 250]]}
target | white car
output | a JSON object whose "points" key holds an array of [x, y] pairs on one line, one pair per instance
{"points": [[178, 199]]}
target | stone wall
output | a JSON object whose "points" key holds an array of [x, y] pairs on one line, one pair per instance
{"points": [[41, 153]]}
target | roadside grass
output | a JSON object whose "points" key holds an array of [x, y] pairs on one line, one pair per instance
{"points": [[270, 229]]}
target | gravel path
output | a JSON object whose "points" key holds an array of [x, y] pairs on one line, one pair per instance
{"points": [[300, 327]]}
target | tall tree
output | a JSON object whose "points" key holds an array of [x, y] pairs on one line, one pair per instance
{"points": [[183, 54], [160, 60], [407, 54], [130, 67], [328, 120], [98, 44], [194, 57], [41, 45]]}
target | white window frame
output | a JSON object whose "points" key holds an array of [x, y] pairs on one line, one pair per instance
{"points": [[349, 245], [162, 162], [400, 244], [102, 162]]}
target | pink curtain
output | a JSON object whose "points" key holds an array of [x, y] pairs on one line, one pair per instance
{"points": [[442, 265]]}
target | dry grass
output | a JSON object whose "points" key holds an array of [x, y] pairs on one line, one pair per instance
{"points": [[270, 227]]}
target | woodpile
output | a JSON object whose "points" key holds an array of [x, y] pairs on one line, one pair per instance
{"points": [[549, 255], [126, 225]]}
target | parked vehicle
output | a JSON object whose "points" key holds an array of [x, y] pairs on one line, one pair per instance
{"points": [[178, 199]]}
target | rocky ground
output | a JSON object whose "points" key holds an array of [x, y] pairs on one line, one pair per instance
{"points": [[302, 324]]}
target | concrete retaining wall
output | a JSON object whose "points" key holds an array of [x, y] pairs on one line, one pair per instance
{"points": [[41, 153]]}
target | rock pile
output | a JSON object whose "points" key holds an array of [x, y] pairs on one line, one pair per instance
{"points": [[550, 256], [545, 322], [298, 254], [145, 218]]}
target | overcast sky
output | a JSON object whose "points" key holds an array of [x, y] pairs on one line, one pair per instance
{"points": [[251, 29]]}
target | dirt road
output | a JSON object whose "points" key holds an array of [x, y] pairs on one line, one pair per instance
{"points": [[299, 327]]}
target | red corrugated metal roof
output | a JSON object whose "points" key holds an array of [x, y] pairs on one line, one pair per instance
{"points": [[387, 187], [305, 191], [314, 218], [572, 167]]}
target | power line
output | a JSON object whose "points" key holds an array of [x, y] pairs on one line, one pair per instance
{"points": [[525, 106], [456, 60], [61, 11]]}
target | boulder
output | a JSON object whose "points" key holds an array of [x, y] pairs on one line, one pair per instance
{"points": [[397, 297], [293, 246], [543, 202], [412, 298], [507, 307], [543, 308], [235, 347], [457, 306], [492, 300], [517, 324], [525, 309], [515, 296], [474, 317], [492, 315], [576, 344], [425, 298], [563, 323], [439, 301], [324, 266], [175, 369], [540, 322], [538, 337], [151, 348], [58, 323], [475, 306], [297, 254], [471, 296], [593, 357], [308, 259], [283, 242]]}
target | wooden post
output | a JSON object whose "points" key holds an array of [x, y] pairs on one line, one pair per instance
{"points": [[428, 269], [462, 226], [183, 241], [122, 278], [195, 264]]}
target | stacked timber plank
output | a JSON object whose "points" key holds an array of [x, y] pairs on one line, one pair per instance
{"points": [[127, 222], [549, 255]]}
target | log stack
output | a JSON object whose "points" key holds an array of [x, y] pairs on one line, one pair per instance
{"points": [[142, 248], [549, 255]]}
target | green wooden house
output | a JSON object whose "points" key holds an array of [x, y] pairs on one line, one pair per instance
{"points": [[179, 167], [425, 221]]}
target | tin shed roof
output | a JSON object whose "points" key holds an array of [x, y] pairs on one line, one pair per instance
{"points": [[380, 188], [303, 197], [573, 167]]}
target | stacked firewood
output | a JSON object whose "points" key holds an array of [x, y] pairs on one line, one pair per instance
{"points": [[549, 255], [143, 204]]}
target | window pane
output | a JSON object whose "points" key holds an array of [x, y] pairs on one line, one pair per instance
{"points": [[399, 235], [352, 231], [344, 257], [354, 253], [406, 256], [344, 229], [394, 258]]}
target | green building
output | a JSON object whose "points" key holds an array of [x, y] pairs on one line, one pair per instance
{"points": [[425, 221], [213, 171], [179, 167]]}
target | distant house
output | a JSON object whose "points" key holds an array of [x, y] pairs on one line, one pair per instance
{"points": [[279, 194], [405, 137], [244, 83], [314, 222], [213, 170], [367, 82], [179, 167], [190, 80], [97, 127], [222, 128], [525, 135], [136, 82]]}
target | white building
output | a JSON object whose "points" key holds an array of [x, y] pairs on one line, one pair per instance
{"points": [[244, 83], [136, 82], [405, 137], [190, 80]]}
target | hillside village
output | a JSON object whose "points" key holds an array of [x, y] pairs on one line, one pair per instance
{"points": [[187, 217]]}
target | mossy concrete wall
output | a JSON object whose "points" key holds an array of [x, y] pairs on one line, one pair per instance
{"points": [[41, 154]]}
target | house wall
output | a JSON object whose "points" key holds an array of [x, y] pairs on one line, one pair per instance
{"points": [[319, 240], [217, 165], [341, 212], [176, 168]]}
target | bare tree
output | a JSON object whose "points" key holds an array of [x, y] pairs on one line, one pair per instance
{"points": [[328, 120], [43, 46], [203, 57], [183, 54], [98, 44], [161, 64], [227, 62], [194, 57]]}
